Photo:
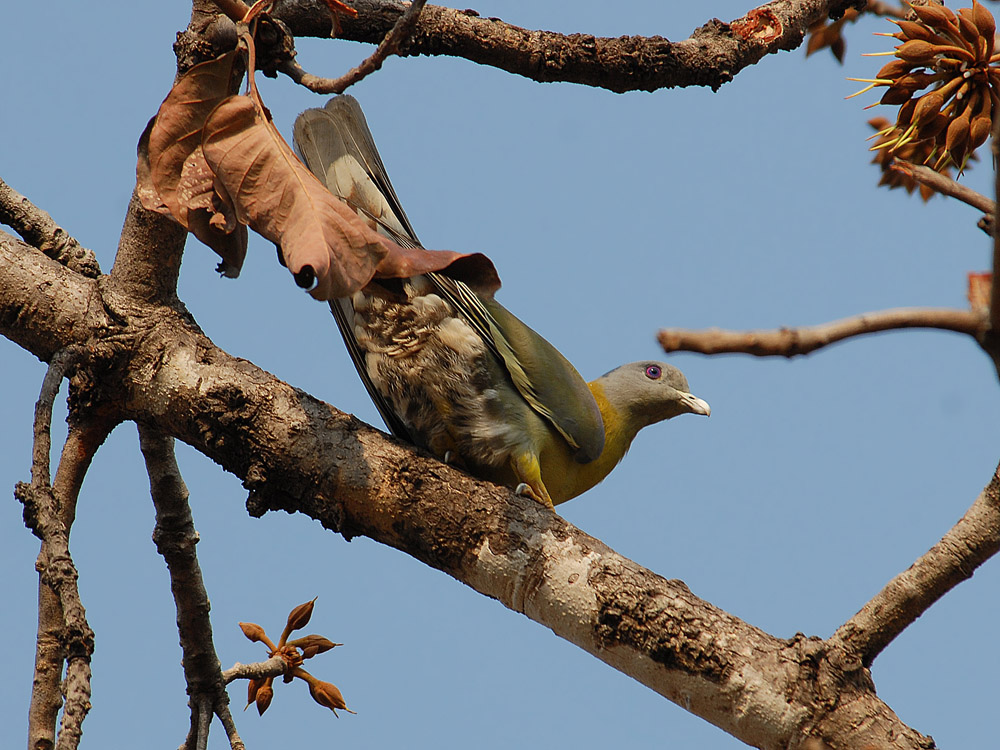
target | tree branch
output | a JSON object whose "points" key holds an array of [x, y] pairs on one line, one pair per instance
{"points": [[48, 320], [148, 260], [712, 56], [63, 632], [992, 344], [390, 45], [175, 538], [295, 453], [972, 541], [37, 228], [273, 667], [945, 185], [790, 342]]}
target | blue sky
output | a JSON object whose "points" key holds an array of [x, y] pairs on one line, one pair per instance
{"points": [[608, 217]]}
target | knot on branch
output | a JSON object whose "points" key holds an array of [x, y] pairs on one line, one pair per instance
{"points": [[24, 493]]}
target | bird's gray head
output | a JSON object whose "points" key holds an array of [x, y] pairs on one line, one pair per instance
{"points": [[648, 392]]}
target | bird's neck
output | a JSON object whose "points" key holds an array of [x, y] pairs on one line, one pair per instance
{"points": [[619, 432]]}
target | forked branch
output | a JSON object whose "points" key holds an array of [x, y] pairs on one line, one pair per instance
{"points": [[64, 635], [38, 229]]}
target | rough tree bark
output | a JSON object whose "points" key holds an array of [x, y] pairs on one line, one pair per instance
{"points": [[139, 356]]}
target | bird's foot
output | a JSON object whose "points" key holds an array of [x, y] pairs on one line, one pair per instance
{"points": [[525, 490]]}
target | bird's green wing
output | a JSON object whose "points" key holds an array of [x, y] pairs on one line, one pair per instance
{"points": [[542, 375], [336, 145]]}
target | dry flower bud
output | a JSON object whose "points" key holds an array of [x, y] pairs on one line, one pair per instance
{"points": [[264, 696], [958, 134], [917, 51], [934, 15], [253, 685], [894, 69], [979, 131], [299, 617], [986, 24], [911, 30], [327, 694], [253, 631], [313, 644], [928, 105], [966, 26]]}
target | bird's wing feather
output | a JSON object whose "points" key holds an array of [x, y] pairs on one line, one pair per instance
{"points": [[542, 375], [337, 146], [341, 154], [343, 313]]}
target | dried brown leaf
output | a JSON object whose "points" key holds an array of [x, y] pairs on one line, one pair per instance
{"points": [[175, 138], [148, 196], [279, 198], [172, 172]]}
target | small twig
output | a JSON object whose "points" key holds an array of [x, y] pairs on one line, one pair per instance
{"points": [[49, 512], [969, 543], [390, 45], [789, 342], [273, 667], [175, 538], [38, 229], [945, 185]]}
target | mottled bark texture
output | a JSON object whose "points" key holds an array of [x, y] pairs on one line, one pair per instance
{"points": [[711, 56], [296, 453]]}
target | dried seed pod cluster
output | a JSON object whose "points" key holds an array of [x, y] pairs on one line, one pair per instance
{"points": [[951, 55], [293, 653]]}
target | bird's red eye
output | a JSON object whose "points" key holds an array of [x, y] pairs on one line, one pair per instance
{"points": [[653, 372]]}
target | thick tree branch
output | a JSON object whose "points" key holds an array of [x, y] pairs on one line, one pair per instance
{"points": [[175, 538], [712, 56], [44, 320], [790, 342], [972, 541], [390, 45], [296, 453], [37, 229], [150, 248]]}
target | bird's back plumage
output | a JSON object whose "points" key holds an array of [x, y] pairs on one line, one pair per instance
{"points": [[447, 368]]}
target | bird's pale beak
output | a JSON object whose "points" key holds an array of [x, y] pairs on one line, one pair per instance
{"points": [[695, 405]]}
